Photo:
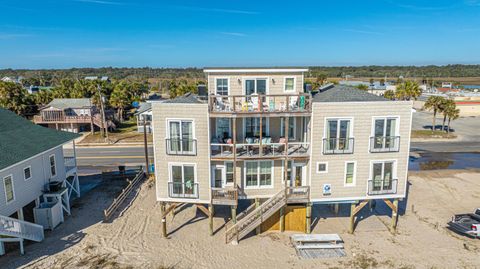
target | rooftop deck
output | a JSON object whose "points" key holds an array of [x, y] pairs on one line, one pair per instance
{"points": [[267, 105]]}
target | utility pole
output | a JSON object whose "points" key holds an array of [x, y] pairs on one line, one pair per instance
{"points": [[145, 145], [102, 107]]}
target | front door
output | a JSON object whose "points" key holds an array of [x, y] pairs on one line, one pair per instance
{"points": [[299, 175], [218, 176]]}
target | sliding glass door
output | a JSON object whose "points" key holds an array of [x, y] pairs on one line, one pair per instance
{"points": [[385, 133], [181, 136], [258, 86], [338, 134]]}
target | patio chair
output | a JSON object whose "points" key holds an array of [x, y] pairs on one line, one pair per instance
{"points": [[279, 148], [293, 102], [254, 102]]}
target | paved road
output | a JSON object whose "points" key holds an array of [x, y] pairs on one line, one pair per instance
{"points": [[467, 128], [110, 156]]}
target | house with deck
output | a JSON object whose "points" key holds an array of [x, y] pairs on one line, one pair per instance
{"points": [[70, 114], [35, 172], [144, 117], [256, 135]]}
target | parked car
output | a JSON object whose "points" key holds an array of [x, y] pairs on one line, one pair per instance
{"points": [[467, 224]]}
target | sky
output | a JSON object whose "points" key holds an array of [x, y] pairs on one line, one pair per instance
{"points": [[127, 33]]}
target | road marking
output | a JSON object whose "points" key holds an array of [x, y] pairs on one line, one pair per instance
{"points": [[112, 157]]}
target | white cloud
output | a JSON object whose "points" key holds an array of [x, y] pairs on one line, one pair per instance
{"points": [[233, 34]]}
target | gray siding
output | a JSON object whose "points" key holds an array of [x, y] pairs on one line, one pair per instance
{"points": [[26, 191]]}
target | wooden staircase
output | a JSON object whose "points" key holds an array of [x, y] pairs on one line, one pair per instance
{"points": [[15, 230], [253, 217]]}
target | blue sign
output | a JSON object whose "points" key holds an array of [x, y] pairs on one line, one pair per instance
{"points": [[135, 104]]}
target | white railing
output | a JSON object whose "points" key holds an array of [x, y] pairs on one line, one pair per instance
{"points": [[21, 229], [260, 150], [70, 161]]}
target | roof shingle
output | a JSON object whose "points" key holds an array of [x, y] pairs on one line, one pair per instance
{"points": [[340, 93]]}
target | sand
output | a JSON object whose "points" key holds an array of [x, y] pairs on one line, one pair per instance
{"points": [[133, 240]]}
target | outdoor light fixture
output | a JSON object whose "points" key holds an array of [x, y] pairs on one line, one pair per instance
{"points": [[239, 82], [273, 81]]}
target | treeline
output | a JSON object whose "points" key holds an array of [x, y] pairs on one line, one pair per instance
{"points": [[47, 77]]}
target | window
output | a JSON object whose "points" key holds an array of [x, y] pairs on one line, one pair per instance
{"points": [[322, 167], [289, 84], [229, 172], [338, 132], [350, 173], [182, 180], [8, 186], [258, 86], [383, 175], [289, 170], [180, 140], [292, 123], [27, 172], [223, 128], [252, 127], [53, 169], [385, 132], [258, 174], [222, 86]]}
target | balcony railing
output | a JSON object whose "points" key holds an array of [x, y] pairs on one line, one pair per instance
{"points": [[338, 145], [183, 190], [225, 196], [181, 146], [385, 144], [383, 186], [261, 103], [300, 194], [61, 119], [256, 150]]}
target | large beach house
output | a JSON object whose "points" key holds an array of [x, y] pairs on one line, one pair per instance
{"points": [[256, 134]]}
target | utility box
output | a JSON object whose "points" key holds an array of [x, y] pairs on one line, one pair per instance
{"points": [[49, 214]]}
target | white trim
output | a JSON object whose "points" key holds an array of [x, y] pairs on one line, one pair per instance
{"points": [[294, 84], [372, 130], [187, 201], [408, 147], [54, 165], [225, 183], [283, 171], [357, 198], [258, 175], [321, 172], [182, 164], [282, 128], [351, 135], [255, 78], [394, 172], [256, 70], [354, 182], [28, 167], [5, 189], [228, 85]]}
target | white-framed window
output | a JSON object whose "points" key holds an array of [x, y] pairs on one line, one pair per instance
{"points": [[223, 127], [258, 174], [27, 172], [385, 131], [382, 174], [289, 170], [338, 135], [350, 173], [222, 86], [251, 127], [292, 128], [53, 167], [256, 85], [8, 187], [180, 136], [229, 173], [182, 180], [322, 167], [289, 84]]}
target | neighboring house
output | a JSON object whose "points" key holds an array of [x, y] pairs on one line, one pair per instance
{"points": [[34, 89], [104, 78], [32, 160], [144, 113], [69, 114], [13, 80], [258, 136]]}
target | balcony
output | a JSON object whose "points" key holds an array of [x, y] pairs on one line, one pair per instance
{"points": [[177, 146], [265, 104], [70, 165], [384, 144], [258, 150], [225, 196], [385, 186], [300, 194], [61, 118], [338, 145], [183, 190]]}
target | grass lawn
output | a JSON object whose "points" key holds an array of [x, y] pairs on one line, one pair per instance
{"points": [[126, 132], [430, 134]]}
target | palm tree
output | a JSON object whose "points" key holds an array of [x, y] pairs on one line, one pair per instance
{"points": [[434, 103], [389, 94], [408, 90], [362, 87], [453, 114], [447, 106]]}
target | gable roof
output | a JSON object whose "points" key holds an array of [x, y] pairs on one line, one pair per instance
{"points": [[64, 103], [187, 98], [340, 93], [20, 139]]}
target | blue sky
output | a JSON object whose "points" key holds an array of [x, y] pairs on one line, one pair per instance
{"points": [[129, 33]]}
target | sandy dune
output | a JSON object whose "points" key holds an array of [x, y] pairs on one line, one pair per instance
{"points": [[134, 239]]}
